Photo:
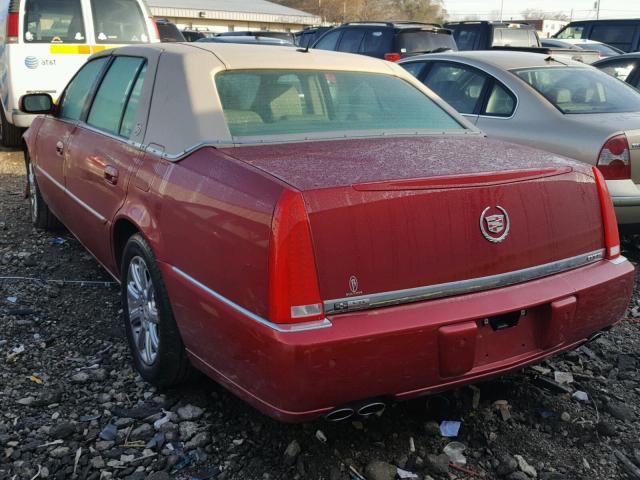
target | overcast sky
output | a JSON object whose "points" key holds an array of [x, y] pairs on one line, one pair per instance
{"points": [[512, 8]]}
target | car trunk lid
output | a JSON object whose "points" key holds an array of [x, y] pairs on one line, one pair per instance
{"points": [[395, 215]]}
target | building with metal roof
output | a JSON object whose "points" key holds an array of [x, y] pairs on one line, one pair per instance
{"points": [[230, 15]]}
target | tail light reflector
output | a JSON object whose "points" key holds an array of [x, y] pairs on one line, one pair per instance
{"points": [[614, 160], [609, 221], [392, 57], [13, 27], [294, 295]]}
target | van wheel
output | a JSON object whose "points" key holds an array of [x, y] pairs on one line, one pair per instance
{"points": [[154, 339], [41, 214], [11, 135]]}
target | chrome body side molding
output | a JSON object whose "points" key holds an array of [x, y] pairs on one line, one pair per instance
{"points": [[430, 292], [282, 328]]}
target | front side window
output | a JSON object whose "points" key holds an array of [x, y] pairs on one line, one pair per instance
{"points": [[74, 98], [119, 21], [581, 90], [53, 21], [571, 32], [113, 94], [458, 85], [620, 69], [259, 103]]}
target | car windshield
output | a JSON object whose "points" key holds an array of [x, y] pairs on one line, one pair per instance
{"points": [[581, 90], [53, 21], [424, 41], [119, 21], [259, 103]]}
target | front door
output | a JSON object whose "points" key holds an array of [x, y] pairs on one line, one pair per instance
{"points": [[102, 158], [52, 147]]}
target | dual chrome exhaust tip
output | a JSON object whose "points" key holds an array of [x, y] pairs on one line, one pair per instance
{"points": [[364, 410]]}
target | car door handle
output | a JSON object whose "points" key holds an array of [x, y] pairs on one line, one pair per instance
{"points": [[111, 174], [60, 148]]}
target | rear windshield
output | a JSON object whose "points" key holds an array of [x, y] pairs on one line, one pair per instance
{"points": [[259, 103], [423, 42], [53, 21], [581, 90], [601, 48], [119, 21], [514, 37]]}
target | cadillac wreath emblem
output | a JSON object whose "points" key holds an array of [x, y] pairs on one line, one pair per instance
{"points": [[495, 227]]}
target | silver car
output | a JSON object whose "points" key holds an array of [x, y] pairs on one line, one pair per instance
{"points": [[561, 106]]}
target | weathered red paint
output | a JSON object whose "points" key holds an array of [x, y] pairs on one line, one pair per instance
{"points": [[397, 213]]}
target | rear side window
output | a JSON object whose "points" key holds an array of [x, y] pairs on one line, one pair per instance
{"points": [[119, 21], [377, 42], [500, 103], [75, 96], [620, 69], [327, 104], [467, 37], [114, 92], [458, 85], [424, 42], [329, 41], [414, 68], [616, 35], [351, 41], [53, 21]]}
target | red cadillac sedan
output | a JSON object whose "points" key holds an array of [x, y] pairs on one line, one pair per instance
{"points": [[318, 231]]}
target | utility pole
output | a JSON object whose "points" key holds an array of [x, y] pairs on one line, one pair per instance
{"points": [[501, 9], [597, 8]]}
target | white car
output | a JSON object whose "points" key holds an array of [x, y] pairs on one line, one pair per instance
{"points": [[44, 42]]}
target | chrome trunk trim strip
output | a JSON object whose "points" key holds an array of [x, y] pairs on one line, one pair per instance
{"points": [[282, 328], [430, 292]]}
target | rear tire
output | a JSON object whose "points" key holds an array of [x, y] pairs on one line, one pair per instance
{"points": [[11, 136], [41, 214], [154, 339]]}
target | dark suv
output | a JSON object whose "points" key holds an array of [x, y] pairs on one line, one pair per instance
{"points": [[487, 35], [389, 40], [307, 37], [622, 34]]}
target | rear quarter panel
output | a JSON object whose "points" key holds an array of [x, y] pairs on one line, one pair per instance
{"points": [[209, 216]]}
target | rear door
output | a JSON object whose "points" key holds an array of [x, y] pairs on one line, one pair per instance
{"points": [[103, 159], [52, 147]]}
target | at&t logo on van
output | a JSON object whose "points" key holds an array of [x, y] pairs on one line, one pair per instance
{"points": [[32, 62]]}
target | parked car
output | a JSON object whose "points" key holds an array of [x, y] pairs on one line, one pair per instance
{"points": [[248, 40], [307, 37], [624, 67], [621, 34], [319, 232], [603, 49], [389, 40], [169, 32], [564, 107], [287, 36], [473, 35], [44, 42]]}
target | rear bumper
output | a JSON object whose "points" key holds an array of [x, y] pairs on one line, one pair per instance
{"points": [[396, 352]]}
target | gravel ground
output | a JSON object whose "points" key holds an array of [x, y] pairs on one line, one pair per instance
{"points": [[72, 407]]}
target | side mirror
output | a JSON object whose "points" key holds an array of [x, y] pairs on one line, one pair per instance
{"points": [[36, 103]]}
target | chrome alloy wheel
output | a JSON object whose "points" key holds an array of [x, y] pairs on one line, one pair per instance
{"points": [[32, 192], [143, 311]]}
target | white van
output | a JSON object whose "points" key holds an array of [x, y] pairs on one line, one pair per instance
{"points": [[44, 42]]}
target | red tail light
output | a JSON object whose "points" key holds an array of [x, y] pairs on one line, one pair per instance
{"points": [[155, 28], [294, 295], [13, 27], [615, 161], [609, 221], [392, 57]]}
